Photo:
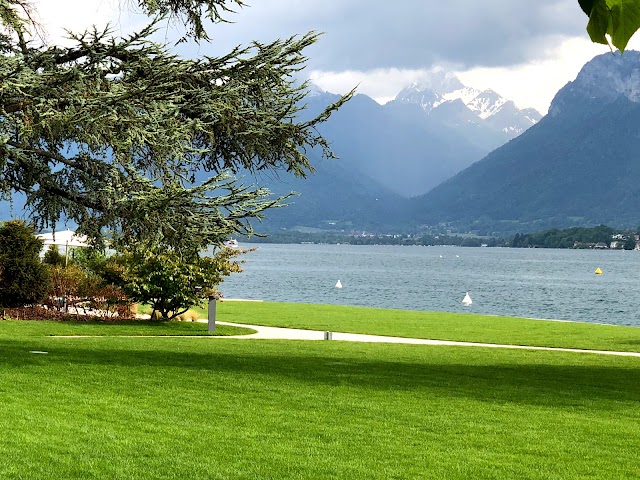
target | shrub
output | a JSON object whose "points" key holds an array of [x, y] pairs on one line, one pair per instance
{"points": [[53, 257], [73, 286], [24, 280], [167, 281], [189, 316]]}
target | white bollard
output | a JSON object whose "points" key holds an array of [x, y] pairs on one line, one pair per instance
{"points": [[211, 314]]}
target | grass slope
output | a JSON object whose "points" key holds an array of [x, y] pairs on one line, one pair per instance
{"points": [[433, 325], [205, 408]]}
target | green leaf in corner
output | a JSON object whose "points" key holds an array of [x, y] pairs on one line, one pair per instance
{"points": [[600, 22], [625, 15], [587, 6], [619, 19]]}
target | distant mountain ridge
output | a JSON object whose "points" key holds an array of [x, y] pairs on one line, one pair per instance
{"points": [[579, 166], [401, 149], [430, 132], [404, 148]]}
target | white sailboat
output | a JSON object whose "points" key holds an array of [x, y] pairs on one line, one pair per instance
{"points": [[338, 284], [466, 301]]}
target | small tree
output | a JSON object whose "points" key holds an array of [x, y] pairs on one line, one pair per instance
{"points": [[75, 286], [167, 281], [24, 280], [53, 257], [63, 286], [630, 243]]}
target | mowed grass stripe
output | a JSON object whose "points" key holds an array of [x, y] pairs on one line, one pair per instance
{"points": [[37, 328], [433, 325], [178, 408]]}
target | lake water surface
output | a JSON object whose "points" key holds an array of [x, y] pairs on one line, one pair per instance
{"points": [[537, 283]]}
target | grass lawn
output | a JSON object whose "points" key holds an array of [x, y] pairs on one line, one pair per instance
{"points": [[207, 408], [433, 325], [13, 328]]}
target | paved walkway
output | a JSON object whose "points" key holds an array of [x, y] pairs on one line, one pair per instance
{"points": [[277, 333]]}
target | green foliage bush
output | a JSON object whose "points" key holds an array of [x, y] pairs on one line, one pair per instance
{"points": [[53, 257], [24, 280], [167, 281]]}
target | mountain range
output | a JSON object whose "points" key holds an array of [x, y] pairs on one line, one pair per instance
{"points": [[428, 133], [579, 166], [390, 153]]}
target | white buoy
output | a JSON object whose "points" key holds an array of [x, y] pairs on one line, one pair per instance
{"points": [[338, 284], [466, 301]]}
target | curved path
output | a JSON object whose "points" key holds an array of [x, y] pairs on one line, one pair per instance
{"points": [[279, 333]]}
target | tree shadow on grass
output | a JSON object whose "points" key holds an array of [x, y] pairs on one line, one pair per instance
{"points": [[523, 377]]}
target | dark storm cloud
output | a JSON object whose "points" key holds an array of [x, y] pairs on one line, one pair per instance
{"points": [[412, 34]]}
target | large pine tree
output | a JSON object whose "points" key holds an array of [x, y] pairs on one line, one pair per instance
{"points": [[111, 132]]}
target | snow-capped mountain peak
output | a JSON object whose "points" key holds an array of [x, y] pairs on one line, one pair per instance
{"points": [[419, 94], [466, 94], [440, 88], [486, 103]]}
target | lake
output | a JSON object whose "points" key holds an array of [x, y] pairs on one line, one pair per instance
{"points": [[535, 283]]}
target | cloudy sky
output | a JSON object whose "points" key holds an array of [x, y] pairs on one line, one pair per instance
{"points": [[524, 50]]}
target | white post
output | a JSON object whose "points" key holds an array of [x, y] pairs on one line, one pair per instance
{"points": [[211, 314]]}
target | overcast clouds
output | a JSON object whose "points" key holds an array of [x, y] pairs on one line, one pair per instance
{"points": [[413, 34], [524, 50]]}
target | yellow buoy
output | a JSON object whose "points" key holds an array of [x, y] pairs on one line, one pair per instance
{"points": [[598, 271]]}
